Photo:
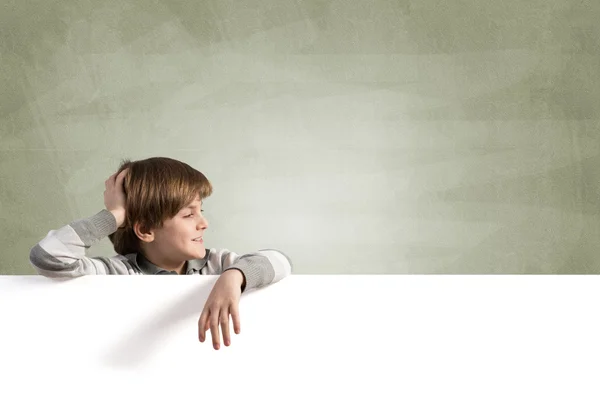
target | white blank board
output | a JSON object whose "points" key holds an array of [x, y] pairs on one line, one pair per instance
{"points": [[381, 336]]}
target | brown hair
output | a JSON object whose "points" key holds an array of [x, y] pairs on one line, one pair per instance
{"points": [[156, 189]]}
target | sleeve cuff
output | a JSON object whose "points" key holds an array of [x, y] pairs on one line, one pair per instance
{"points": [[96, 227], [257, 270]]}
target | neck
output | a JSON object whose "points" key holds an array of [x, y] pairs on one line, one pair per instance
{"points": [[164, 263]]}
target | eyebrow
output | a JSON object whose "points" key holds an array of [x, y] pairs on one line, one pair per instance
{"points": [[194, 206]]}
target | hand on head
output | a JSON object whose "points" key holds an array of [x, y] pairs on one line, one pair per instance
{"points": [[114, 196]]}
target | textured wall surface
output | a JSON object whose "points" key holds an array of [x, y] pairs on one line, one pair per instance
{"points": [[358, 137]]}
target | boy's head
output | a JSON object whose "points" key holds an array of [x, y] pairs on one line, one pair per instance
{"points": [[163, 210]]}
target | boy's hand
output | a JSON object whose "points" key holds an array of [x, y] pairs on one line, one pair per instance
{"points": [[222, 301], [114, 196]]}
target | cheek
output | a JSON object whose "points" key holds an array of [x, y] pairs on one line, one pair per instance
{"points": [[186, 231]]}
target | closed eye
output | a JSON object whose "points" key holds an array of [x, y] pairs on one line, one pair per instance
{"points": [[191, 214]]}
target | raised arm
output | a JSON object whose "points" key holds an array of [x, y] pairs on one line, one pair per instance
{"points": [[62, 253]]}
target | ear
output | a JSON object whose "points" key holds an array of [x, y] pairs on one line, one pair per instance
{"points": [[145, 235]]}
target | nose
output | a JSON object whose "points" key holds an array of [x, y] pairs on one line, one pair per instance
{"points": [[202, 223]]}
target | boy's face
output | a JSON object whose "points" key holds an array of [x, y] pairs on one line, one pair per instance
{"points": [[181, 237]]}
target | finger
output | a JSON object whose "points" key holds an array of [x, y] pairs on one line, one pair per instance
{"points": [[110, 180], [121, 176], [214, 329], [235, 316], [203, 325], [224, 318]]}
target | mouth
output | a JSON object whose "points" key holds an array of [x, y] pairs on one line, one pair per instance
{"points": [[198, 240]]}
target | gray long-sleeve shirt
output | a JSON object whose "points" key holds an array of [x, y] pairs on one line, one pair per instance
{"points": [[62, 253]]}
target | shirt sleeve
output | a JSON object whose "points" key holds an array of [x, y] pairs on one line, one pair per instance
{"points": [[62, 253], [260, 268]]}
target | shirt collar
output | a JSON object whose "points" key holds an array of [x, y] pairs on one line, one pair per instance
{"points": [[191, 267]]}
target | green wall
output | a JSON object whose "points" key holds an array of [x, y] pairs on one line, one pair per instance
{"points": [[356, 136]]}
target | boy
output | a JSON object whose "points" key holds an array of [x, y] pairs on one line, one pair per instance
{"points": [[153, 218]]}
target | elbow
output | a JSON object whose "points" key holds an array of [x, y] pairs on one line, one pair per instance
{"points": [[47, 265], [34, 259], [281, 263], [289, 268]]}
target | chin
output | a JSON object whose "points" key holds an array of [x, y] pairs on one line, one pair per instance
{"points": [[198, 254]]}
